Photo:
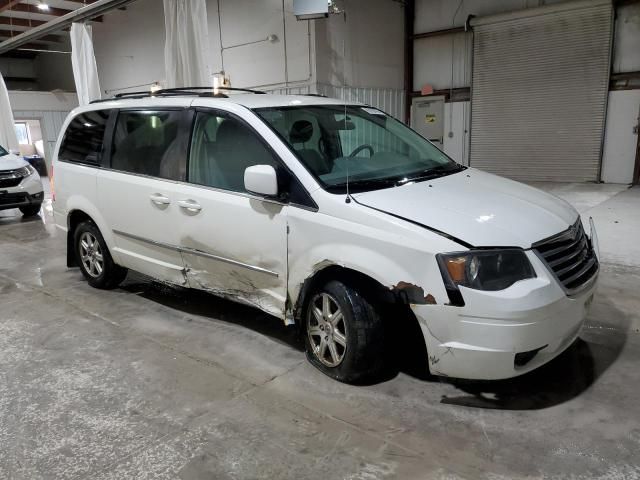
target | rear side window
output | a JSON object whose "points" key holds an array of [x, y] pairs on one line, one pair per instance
{"points": [[148, 143], [82, 142]]}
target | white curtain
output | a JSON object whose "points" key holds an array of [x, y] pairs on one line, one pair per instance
{"points": [[8, 137], [83, 61], [187, 37]]}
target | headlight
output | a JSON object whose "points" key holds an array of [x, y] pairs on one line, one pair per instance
{"points": [[488, 270], [27, 171]]}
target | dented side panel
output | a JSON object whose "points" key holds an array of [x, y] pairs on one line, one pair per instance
{"points": [[397, 254], [236, 247]]}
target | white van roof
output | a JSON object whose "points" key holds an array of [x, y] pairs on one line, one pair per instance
{"points": [[249, 100]]}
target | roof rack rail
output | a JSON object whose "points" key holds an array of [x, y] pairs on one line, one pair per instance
{"points": [[209, 89], [181, 91], [314, 95]]}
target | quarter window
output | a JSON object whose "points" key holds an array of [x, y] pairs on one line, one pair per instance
{"points": [[222, 148], [82, 142], [148, 143]]}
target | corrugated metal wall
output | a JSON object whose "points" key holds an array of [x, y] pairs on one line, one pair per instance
{"points": [[51, 123], [540, 84], [388, 100], [295, 90]]}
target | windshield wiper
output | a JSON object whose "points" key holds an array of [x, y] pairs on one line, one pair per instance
{"points": [[363, 185], [431, 173]]}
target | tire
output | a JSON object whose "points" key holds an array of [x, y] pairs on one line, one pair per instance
{"points": [[31, 210], [94, 259], [357, 335]]}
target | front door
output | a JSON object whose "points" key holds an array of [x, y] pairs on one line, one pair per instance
{"points": [[138, 194], [233, 243]]}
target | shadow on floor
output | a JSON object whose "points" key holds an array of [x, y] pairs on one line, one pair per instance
{"points": [[566, 377], [562, 379], [203, 304]]}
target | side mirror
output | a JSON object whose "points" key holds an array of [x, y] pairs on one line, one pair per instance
{"points": [[261, 179]]}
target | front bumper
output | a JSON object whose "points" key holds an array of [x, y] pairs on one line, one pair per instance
{"points": [[28, 192], [504, 334]]}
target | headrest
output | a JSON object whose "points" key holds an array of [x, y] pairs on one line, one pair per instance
{"points": [[301, 131]]}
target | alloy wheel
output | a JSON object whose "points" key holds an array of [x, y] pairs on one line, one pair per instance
{"points": [[326, 330], [91, 254]]}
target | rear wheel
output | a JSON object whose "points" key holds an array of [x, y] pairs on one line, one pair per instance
{"points": [[344, 334], [94, 259], [31, 210]]}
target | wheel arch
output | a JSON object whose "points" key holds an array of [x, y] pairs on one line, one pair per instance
{"points": [[74, 218], [363, 282]]}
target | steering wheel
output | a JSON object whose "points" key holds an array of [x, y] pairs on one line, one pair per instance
{"points": [[361, 148]]}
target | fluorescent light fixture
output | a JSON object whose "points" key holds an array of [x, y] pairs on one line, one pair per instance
{"points": [[43, 6]]}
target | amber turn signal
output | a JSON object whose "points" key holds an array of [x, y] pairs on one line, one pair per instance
{"points": [[456, 268]]}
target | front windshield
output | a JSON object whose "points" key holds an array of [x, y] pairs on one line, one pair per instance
{"points": [[3, 152], [362, 144]]}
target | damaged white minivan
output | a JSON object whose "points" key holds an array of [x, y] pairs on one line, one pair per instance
{"points": [[333, 216]]}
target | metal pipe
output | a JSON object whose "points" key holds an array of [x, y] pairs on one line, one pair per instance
{"points": [[438, 33], [82, 14], [409, 16]]}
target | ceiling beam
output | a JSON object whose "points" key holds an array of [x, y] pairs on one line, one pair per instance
{"points": [[45, 38], [89, 2], [7, 4], [28, 8], [80, 15], [21, 22]]}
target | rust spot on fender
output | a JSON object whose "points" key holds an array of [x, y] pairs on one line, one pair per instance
{"points": [[413, 294]]}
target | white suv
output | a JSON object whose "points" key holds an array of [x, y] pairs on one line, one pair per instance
{"points": [[20, 185], [333, 216]]}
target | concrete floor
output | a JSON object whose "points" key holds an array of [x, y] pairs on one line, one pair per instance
{"points": [[154, 382]]}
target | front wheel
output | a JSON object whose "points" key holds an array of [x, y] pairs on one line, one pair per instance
{"points": [[94, 259], [344, 334]]}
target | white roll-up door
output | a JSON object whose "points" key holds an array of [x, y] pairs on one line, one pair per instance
{"points": [[539, 91]]}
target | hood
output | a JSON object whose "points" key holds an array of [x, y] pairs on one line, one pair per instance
{"points": [[12, 162], [479, 208]]}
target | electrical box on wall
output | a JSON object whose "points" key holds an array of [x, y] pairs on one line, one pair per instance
{"points": [[427, 118], [310, 9]]}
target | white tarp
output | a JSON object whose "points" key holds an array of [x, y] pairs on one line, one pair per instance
{"points": [[186, 41], [83, 61], [8, 137]]}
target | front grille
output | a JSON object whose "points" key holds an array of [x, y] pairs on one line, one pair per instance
{"points": [[12, 198], [10, 178], [570, 256]]}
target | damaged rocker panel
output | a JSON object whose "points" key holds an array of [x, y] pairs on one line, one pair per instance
{"points": [[200, 253]]}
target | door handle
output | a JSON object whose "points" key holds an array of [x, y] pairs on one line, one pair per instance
{"points": [[190, 205], [159, 199]]}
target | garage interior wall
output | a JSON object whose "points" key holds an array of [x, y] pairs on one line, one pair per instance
{"points": [[432, 66], [305, 57], [129, 50]]}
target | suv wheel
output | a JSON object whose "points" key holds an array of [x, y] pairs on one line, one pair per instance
{"points": [[94, 259], [31, 210], [344, 334]]}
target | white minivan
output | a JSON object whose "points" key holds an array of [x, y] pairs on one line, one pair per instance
{"points": [[332, 216]]}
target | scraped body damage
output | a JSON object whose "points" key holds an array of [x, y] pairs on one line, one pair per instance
{"points": [[252, 288], [236, 246], [388, 250]]}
